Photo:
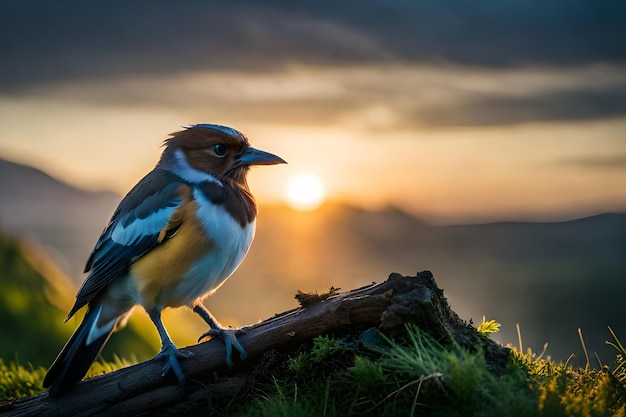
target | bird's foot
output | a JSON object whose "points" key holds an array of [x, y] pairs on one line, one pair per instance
{"points": [[229, 336], [172, 355]]}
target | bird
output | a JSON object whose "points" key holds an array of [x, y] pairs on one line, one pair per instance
{"points": [[177, 235]]}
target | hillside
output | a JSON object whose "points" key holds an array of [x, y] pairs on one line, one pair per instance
{"points": [[34, 300]]}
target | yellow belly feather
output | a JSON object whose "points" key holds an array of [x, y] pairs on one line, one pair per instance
{"points": [[160, 270]]}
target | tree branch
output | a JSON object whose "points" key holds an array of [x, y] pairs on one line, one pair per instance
{"points": [[141, 388]]}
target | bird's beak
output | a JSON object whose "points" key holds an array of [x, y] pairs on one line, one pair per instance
{"points": [[258, 157]]}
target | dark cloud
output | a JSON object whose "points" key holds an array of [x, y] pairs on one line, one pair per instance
{"points": [[70, 40], [575, 104], [43, 41]]}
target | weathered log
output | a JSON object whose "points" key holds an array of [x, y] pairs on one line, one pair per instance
{"points": [[142, 389]]}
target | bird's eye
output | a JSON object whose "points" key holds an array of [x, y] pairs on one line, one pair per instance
{"points": [[219, 149]]}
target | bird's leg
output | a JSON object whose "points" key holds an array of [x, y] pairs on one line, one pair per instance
{"points": [[168, 348], [229, 336]]}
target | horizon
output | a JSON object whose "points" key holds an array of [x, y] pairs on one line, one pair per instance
{"points": [[330, 203]]}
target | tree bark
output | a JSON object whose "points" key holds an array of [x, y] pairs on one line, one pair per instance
{"points": [[141, 388]]}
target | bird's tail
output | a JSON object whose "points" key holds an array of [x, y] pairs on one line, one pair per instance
{"points": [[79, 352]]}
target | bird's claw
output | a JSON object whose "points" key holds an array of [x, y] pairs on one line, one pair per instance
{"points": [[171, 355], [229, 336]]}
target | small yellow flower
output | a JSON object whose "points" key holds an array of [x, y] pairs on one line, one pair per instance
{"points": [[488, 327]]}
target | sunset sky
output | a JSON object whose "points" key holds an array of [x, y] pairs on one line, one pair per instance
{"points": [[456, 111]]}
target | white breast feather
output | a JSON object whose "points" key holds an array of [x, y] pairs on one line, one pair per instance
{"points": [[231, 246]]}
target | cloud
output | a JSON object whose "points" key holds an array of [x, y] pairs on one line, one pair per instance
{"points": [[44, 42], [501, 109], [609, 162], [375, 97]]}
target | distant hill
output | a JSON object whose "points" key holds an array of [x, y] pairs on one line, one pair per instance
{"points": [[65, 220], [551, 278]]}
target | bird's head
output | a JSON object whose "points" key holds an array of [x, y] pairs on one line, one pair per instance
{"points": [[218, 150]]}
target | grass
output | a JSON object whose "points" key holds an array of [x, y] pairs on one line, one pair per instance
{"points": [[18, 381], [418, 376], [412, 375], [21, 381]]}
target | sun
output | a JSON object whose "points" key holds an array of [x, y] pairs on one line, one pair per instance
{"points": [[305, 192]]}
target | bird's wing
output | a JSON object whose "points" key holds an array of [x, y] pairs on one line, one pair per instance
{"points": [[143, 219]]}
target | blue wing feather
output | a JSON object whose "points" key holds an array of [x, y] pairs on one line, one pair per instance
{"points": [[133, 230]]}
